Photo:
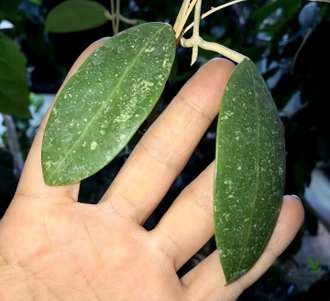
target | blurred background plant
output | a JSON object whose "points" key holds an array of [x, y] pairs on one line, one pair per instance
{"points": [[40, 40]]}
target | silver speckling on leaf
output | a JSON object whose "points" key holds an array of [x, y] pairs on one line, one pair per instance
{"points": [[249, 170], [105, 102]]}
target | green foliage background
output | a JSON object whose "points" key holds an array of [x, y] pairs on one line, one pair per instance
{"points": [[288, 41]]}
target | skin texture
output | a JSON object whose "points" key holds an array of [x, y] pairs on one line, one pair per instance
{"points": [[54, 248]]}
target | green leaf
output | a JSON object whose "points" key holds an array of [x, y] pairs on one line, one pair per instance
{"points": [[75, 15], [14, 93], [249, 170], [8, 8], [316, 264], [105, 102], [319, 269], [310, 260], [313, 271]]}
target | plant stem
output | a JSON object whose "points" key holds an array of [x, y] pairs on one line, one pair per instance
{"points": [[121, 18], [309, 32], [190, 8], [213, 10], [113, 20], [195, 36], [183, 16], [13, 144], [128, 21], [225, 51], [229, 53], [108, 15], [196, 41], [117, 15]]}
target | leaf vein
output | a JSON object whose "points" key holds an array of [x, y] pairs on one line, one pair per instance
{"points": [[257, 172]]}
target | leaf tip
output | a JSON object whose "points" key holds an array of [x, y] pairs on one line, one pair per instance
{"points": [[233, 276]]}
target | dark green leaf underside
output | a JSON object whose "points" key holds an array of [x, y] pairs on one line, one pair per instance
{"points": [[75, 15], [249, 171], [14, 93], [105, 102]]}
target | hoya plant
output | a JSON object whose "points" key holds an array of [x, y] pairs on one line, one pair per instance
{"points": [[105, 102]]}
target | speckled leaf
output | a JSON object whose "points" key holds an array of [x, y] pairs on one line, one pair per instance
{"points": [[105, 102], [249, 170]]}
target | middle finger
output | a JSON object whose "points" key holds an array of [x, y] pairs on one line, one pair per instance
{"points": [[167, 146]]}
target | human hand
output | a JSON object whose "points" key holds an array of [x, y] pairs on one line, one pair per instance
{"points": [[54, 248]]}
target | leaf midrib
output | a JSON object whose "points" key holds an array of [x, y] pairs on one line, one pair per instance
{"points": [[257, 178], [103, 105]]}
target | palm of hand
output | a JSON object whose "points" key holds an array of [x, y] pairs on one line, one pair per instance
{"points": [[72, 251]]}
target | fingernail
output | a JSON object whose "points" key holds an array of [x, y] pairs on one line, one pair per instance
{"points": [[297, 197]]}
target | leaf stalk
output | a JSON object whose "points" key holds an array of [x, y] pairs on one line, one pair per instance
{"points": [[213, 10], [196, 40], [121, 18], [184, 13]]}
